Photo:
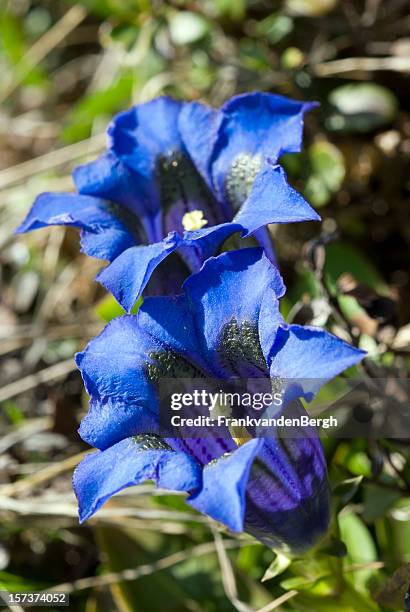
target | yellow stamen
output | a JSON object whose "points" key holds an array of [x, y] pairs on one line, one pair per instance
{"points": [[239, 434], [194, 220]]}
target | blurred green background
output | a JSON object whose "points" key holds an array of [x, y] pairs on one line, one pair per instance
{"points": [[66, 68]]}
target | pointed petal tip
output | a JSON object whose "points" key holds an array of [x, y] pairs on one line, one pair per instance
{"points": [[126, 301], [23, 228], [83, 516], [78, 358], [360, 354], [247, 255], [311, 105], [310, 215]]}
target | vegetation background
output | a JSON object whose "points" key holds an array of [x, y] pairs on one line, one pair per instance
{"points": [[65, 68]]}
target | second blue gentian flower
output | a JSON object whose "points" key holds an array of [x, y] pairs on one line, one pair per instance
{"points": [[270, 485]]}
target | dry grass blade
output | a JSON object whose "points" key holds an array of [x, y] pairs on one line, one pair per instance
{"points": [[63, 330], [48, 473], [24, 431], [276, 603], [66, 506], [357, 567], [53, 372], [43, 46], [12, 607], [362, 64], [228, 577], [142, 570], [14, 174]]}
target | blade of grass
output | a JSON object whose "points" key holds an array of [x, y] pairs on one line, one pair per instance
{"points": [[53, 159], [42, 47], [142, 570]]}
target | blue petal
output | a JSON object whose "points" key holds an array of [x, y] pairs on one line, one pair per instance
{"points": [[103, 233], [198, 125], [269, 321], [215, 291], [127, 276], [207, 240], [107, 177], [273, 200], [222, 495], [140, 134], [169, 278], [265, 240], [207, 448], [130, 462], [107, 244], [257, 124], [287, 493], [158, 344], [170, 321], [305, 358], [114, 370], [147, 140]]}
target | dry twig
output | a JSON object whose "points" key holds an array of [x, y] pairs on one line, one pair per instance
{"points": [[228, 577], [58, 370], [361, 64], [42, 47], [53, 159]]}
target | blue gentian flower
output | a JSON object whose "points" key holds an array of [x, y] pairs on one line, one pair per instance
{"points": [[180, 176], [226, 324]]}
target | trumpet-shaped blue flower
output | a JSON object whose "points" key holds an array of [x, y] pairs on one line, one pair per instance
{"points": [[182, 177], [226, 325]]}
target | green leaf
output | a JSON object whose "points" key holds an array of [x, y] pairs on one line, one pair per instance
{"points": [[361, 548], [327, 172], [186, 27], [81, 117], [377, 501], [342, 258], [253, 55], [349, 600], [123, 9], [346, 489], [350, 307], [361, 107], [275, 27], [399, 529], [359, 463], [37, 22], [233, 10], [12, 40], [125, 548], [108, 308], [328, 163], [368, 343], [15, 583], [252, 560], [13, 412], [306, 282], [277, 567], [292, 58], [14, 47]]}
